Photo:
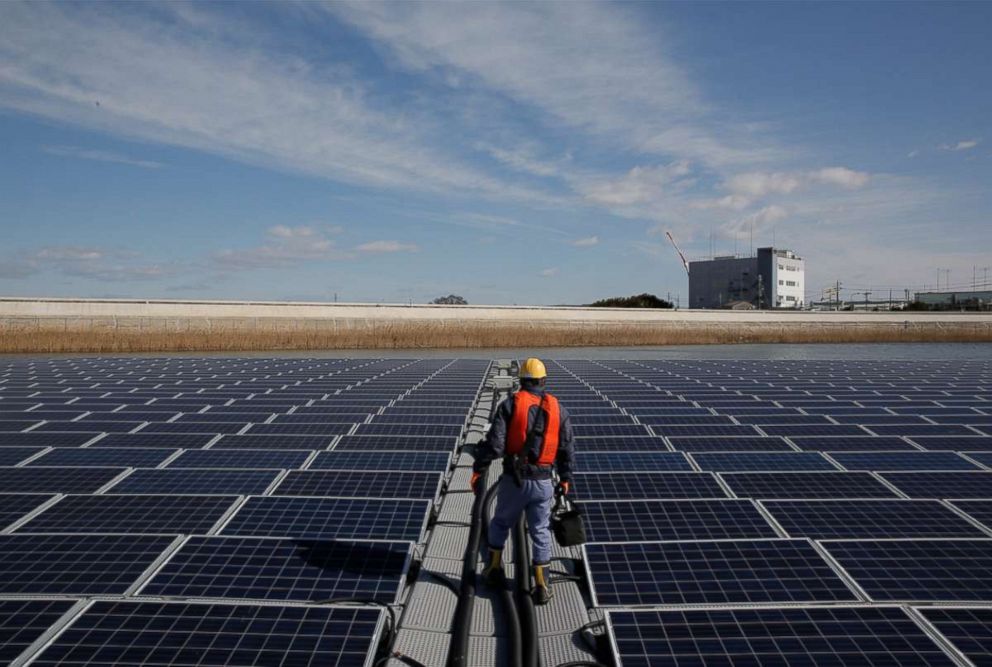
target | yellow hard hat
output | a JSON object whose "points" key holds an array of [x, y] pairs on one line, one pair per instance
{"points": [[533, 369]]}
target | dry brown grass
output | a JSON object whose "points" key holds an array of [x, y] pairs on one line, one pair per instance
{"points": [[474, 334]]}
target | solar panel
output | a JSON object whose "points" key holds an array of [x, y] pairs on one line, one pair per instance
{"points": [[977, 443], [821, 430], [179, 428], [767, 461], [330, 518], [942, 484], [712, 572], [439, 430], [925, 570], [90, 426], [282, 569], [103, 456], [730, 444], [15, 426], [806, 485], [632, 461], [786, 636], [381, 460], [869, 519], [651, 520], [133, 634], [968, 629], [13, 506], [55, 480], [359, 484], [642, 443], [33, 439], [241, 458], [76, 564], [921, 429], [853, 444], [155, 440], [977, 509], [648, 485], [695, 420], [903, 461], [24, 621], [10, 456], [296, 442], [298, 429], [706, 430], [196, 480], [151, 514], [367, 443]]}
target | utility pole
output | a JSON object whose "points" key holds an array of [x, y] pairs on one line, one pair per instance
{"points": [[890, 298], [837, 294]]}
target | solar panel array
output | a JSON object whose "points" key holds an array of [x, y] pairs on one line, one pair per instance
{"points": [[832, 511], [233, 508]]}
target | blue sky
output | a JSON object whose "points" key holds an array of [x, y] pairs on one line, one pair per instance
{"points": [[510, 153]]}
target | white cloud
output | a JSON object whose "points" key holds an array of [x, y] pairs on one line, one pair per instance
{"points": [[286, 247], [387, 246], [177, 83], [759, 221], [601, 68], [550, 273], [729, 203], [519, 159], [913, 153], [100, 156], [760, 184], [586, 242], [964, 145], [95, 263], [638, 186]]}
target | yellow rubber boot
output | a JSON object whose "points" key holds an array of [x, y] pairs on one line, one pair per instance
{"points": [[493, 573], [542, 594]]}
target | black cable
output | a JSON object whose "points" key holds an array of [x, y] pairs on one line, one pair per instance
{"points": [[525, 604], [402, 657], [513, 629], [441, 579]]}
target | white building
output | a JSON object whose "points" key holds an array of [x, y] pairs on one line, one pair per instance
{"points": [[774, 278]]}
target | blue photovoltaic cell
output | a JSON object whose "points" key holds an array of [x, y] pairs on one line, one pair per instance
{"points": [[694, 420], [781, 420], [105, 456], [155, 440], [903, 461], [717, 572], [196, 480], [652, 520], [10, 456], [766, 461], [90, 426], [806, 485], [640, 443], [685, 431], [179, 428], [381, 460], [648, 485], [977, 509], [151, 514], [55, 480], [976, 443], [15, 426], [942, 484], [918, 570], [632, 461], [921, 429], [366, 443], [24, 621], [298, 429], [240, 458], [853, 444], [797, 636], [810, 430], [296, 442], [969, 629], [75, 564], [447, 430], [13, 506], [731, 444], [359, 484], [330, 518], [136, 634], [869, 519], [33, 439], [282, 569]]}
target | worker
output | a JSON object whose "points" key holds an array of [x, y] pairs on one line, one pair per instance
{"points": [[532, 433]]}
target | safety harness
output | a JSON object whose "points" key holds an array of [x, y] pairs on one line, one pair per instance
{"points": [[523, 459]]}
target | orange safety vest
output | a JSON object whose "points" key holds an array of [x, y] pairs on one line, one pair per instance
{"points": [[516, 434]]}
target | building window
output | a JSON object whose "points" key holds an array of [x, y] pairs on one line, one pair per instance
{"points": [[790, 283], [781, 282], [790, 298]]}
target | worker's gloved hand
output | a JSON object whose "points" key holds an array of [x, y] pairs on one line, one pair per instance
{"points": [[474, 482], [563, 487]]}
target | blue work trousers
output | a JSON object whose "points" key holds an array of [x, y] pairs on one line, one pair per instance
{"points": [[534, 497]]}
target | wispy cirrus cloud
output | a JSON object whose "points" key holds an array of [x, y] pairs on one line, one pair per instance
{"points": [[100, 156], [586, 242], [285, 247], [963, 145], [90, 262], [387, 247]]}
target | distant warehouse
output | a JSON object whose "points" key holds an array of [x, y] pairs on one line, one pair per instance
{"points": [[774, 278]]}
